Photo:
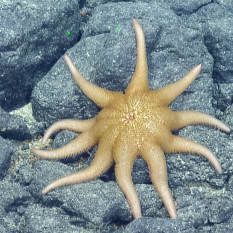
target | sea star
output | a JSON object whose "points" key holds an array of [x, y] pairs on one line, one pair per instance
{"points": [[138, 122]]}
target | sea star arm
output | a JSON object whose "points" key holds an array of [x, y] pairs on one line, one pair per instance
{"points": [[69, 124], [155, 159], [97, 94], [124, 154], [102, 161], [167, 94], [82, 143], [139, 81], [180, 144], [185, 118]]}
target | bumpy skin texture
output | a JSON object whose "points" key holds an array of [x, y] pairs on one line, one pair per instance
{"points": [[138, 122]]}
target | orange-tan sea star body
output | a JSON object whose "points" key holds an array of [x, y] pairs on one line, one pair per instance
{"points": [[138, 122]]}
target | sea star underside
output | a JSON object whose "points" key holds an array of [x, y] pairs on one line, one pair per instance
{"points": [[137, 122]]}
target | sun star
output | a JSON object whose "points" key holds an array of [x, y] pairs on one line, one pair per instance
{"points": [[138, 122]]}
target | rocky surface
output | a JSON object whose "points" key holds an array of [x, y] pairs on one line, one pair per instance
{"points": [[99, 38]]}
